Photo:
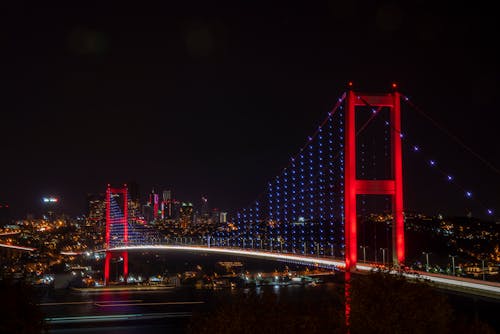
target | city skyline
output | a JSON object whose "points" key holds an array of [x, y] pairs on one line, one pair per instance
{"points": [[298, 165], [216, 100]]}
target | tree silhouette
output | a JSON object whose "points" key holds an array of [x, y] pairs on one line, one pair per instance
{"points": [[19, 312], [380, 303]]}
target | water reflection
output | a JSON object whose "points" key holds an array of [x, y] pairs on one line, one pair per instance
{"points": [[347, 287]]}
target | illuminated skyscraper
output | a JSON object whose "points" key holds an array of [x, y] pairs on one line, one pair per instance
{"points": [[166, 205], [50, 206], [154, 203], [96, 209], [134, 201], [204, 209]]}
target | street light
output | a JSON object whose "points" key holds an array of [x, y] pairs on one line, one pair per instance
{"points": [[426, 260], [364, 252], [453, 263], [383, 255]]}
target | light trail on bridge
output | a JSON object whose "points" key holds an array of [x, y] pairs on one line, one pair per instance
{"points": [[322, 262], [113, 318], [29, 249], [9, 233], [455, 282]]}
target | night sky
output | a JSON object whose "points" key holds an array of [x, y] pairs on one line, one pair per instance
{"points": [[214, 98]]}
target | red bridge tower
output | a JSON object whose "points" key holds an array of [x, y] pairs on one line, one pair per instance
{"points": [[354, 186]]}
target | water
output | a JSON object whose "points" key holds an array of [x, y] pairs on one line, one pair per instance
{"points": [[170, 310], [123, 312]]}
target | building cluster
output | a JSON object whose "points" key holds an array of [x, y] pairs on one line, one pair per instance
{"points": [[473, 244], [160, 210], [43, 243], [54, 240]]}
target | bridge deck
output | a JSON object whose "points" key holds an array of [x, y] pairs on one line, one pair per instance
{"points": [[466, 285]]}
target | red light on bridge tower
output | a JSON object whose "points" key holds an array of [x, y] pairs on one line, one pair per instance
{"points": [[122, 220], [354, 186]]}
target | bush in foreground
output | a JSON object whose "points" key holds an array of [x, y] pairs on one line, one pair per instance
{"points": [[380, 303], [19, 312]]}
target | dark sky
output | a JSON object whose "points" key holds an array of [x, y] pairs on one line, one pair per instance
{"points": [[214, 97]]}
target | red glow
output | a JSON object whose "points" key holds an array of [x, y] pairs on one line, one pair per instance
{"points": [[125, 265], [354, 187], [347, 286], [398, 225], [108, 214], [124, 221], [155, 206], [350, 83], [350, 185], [107, 261], [394, 85]]}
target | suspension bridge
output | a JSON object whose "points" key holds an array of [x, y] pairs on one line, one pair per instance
{"points": [[308, 214]]}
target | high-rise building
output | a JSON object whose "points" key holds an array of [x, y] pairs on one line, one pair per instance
{"points": [[147, 212], [50, 206], [154, 203], [176, 209], [186, 215], [166, 205], [167, 195], [134, 200], [215, 216], [96, 208], [204, 208], [223, 218]]}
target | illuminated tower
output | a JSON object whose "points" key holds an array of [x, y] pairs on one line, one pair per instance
{"points": [[154, 201], [96, 209], [204, 210], [392, 186], [168, 205], [116, 227]]}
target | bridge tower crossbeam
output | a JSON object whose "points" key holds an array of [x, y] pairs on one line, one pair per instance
{"points": [[354, 186]]}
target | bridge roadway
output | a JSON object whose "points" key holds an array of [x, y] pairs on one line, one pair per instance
{"points": [[19, 248], [459, 284]]}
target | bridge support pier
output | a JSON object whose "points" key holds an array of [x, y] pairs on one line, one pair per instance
{"points": [[354, 186], [107, 265]]}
